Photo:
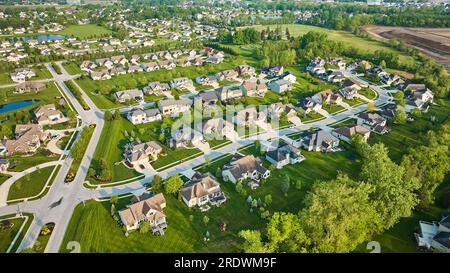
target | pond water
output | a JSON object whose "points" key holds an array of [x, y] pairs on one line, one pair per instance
{"points": [[44, 38], [4, 108]]}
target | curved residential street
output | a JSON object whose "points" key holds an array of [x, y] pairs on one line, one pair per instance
{"points": [[69, 195]]}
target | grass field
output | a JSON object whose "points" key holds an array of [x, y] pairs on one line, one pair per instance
{"points": [[333, 108], [30, 185], [72, 68], [7, 235], [84, 31], [342, 36]]}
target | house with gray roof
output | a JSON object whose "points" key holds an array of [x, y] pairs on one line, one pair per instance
{"points": [[435, 236], [140, 116], [242, 167], [319, 141], [201, 190], [283, 155], [131, 94]]}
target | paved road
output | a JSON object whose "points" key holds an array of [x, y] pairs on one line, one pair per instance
{"points": [[69, 195]]}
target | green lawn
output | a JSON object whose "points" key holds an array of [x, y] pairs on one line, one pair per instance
{"points": [[333, 108], [42, 240], [368, 93], [72, 68], [19, 163], [354, 102], [84, 31], [5, 78], [311, 117], [30, 185], [7, 235], [346, 122]]}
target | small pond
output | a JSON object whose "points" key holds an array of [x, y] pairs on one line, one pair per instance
{"points": [[43, 38], [4, 108]]}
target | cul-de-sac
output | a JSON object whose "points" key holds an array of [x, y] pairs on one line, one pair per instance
{"points": [[224, 126]]}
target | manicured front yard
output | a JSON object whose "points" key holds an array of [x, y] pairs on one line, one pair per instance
{"points": [[30, 185], [19, 163], [333, 108], [311, 117]]}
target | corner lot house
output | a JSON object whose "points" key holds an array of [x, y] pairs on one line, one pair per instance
{"points": [[172, 107], [346, 132], [244, 167], [140, 116], [145, 208], [138, 153], [22, 74], [132, 94], [201, 190], [320, 141], [48, 114], [435, 236], [285, 154]]}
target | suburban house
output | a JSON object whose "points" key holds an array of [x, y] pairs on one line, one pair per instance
{"points": [[120, 59], [147, 208], [218, 128], [140, 116], [173, 107], [227, 75], [283, 155], [320, 141], [150, 66], [201, 190], [435, 236], [249, 117], [244, 167], [100, 75], [137, 153], [156, 88], [420, 96], [167, 64], [348, 93], [48, 114], [308, 105], [207, 98], [245, 70], [205, 80], [280, 86], [346, 132], [275, 110], [22, 74], [349, 84], [333, 76], [373, 122], [104, 62], [27, 139], [327, 97], [182, 83], [272, 71], [289, 77], [87, 66], [30, 87], [253, 88], [183, 137], [132, 94], [229, 92]]}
